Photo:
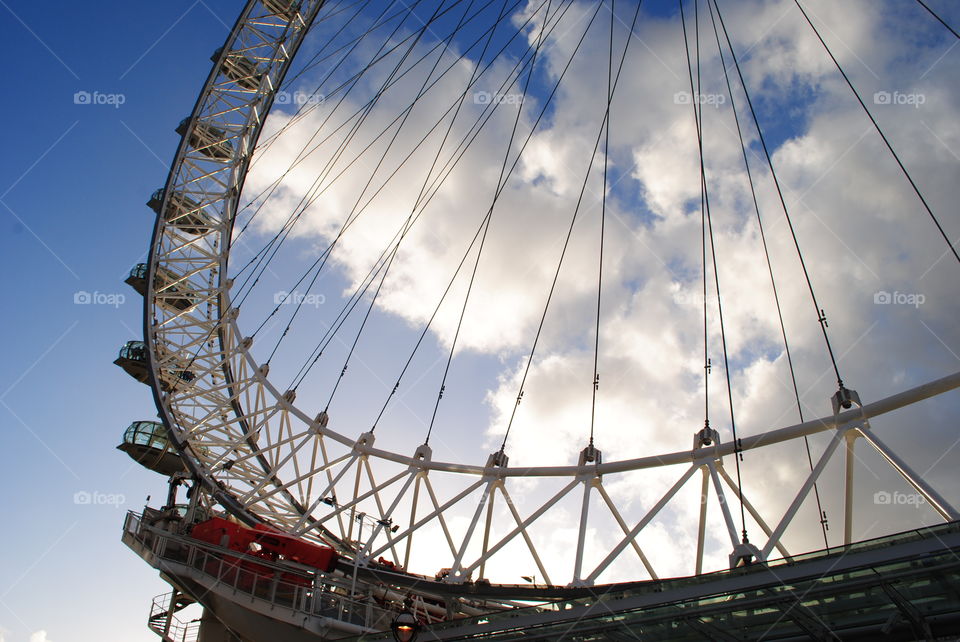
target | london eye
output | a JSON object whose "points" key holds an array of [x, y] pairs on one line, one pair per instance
{"points": [[458, 311]]}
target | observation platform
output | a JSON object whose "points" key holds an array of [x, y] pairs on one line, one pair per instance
{"points": [[900, 587]]}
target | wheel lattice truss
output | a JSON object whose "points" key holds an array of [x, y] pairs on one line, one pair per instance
{"points": [[265, 459]]}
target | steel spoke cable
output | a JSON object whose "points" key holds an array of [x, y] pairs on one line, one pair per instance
{"points": [[423, 189], [883, 136], [707, 214], [350, 221], [321, 259], [407, 224], [698, 110], [301, 112], [821, 316], [343, 90], [351, 82], [306, 201], [603, 220], [363, 324], [309, 106], [566, 242], [703, 225], [360, 197], [446, 171], [516, 161], [362, 112], [341, 318], [737, 452], [449, 283], [358, 112], [297, 211], [773, 282], [295, 216], [501, 182], [939, 19], [505, 178], [319, 58]]}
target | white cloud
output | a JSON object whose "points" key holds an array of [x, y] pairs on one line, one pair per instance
{"points": [[860, 228], [39, 636]]}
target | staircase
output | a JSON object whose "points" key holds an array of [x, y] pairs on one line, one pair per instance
{"points": [[164, 623]]}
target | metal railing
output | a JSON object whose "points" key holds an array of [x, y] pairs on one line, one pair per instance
{"points": [[168, 626], [287, 585]]}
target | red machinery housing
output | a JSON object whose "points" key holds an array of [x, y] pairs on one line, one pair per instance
{"points": [[264, 542]]}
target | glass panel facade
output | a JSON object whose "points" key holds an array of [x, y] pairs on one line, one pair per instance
{"points": [[904, 596]]}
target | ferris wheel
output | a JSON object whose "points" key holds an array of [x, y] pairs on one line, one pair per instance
{"points": [[434, 234]]}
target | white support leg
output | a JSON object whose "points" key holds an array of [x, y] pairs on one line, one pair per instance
{"points": [[626, 531], [641, 524], [413, 517], [724, 506], [804, 491], [702, 527], [386, 516], [437, 513], [526, 535], [333, 483], [327, 465], [356, 491], [754, 513], [486, 526], [455, 570], [537, 514], [581, 536], [851, 440], [942, 506]]}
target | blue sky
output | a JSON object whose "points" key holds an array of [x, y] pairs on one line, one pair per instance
{"points": [[73, 182]]}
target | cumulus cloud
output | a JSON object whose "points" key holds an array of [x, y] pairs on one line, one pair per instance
{"points": [[39, 636], [861, 230]]}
